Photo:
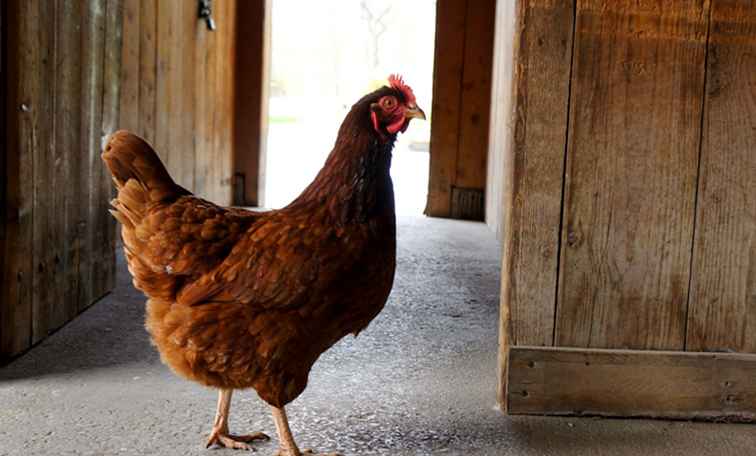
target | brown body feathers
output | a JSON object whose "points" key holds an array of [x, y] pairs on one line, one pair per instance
{"points": [[241, 299]]}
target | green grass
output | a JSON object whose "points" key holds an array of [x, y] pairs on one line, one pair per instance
{"points": [[282, 119]]}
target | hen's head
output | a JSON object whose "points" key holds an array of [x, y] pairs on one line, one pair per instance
{"points": [[392, 107]]}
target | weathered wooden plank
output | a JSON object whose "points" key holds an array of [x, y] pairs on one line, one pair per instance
{"points": [[147, 68], [561, 381], [93, 28], [537, 93], [58, 168], [22, 47], [447, 88], [533, 172], [499, 146], [68, 141], [500, 133], [181, 135], [3, 152], [207, 42], [164, 89], [632, 158], [204, 40], [131, 78], [44, 296], [722, 313], [104, 267], [221, 182], [470, 167]]}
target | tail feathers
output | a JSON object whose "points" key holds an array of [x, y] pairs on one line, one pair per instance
{"points": [[129, 158], [139, 176]]}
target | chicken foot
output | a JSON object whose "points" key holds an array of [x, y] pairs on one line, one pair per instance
{"points": [[288, 446], [220, 435]]}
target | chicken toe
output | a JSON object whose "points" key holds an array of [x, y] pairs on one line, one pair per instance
{"points": [[221, 436]]}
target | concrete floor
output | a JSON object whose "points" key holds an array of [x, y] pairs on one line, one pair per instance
{"points": [[420, 380]]}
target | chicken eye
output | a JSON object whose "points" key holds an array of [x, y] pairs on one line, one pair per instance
{"points": [[388, 103]]}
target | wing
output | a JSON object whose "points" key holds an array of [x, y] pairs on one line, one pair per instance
{"points": [[280, 262], [187, 237]]}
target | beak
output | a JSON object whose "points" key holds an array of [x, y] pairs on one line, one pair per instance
{"points": [[414, 112]]}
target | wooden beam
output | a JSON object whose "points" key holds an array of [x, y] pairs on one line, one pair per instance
{"points": [[528, 134], [533, 168], [626, 383], [447, 92], [250, 100]]}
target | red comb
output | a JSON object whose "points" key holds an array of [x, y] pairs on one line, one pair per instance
{"points": [[397, 83]]}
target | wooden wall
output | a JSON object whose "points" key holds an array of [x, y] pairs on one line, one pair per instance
{"points": [[623, 139], [461, 105], [60, 86], [177, 92]]}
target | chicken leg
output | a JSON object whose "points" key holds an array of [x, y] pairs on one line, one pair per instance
{"points": [[286, 440], [220, 435]]}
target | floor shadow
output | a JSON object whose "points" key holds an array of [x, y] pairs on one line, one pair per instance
{"points": [[111, 332]]}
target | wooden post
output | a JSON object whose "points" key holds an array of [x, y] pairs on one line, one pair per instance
{"points": [[251, 100], [461, 107]]}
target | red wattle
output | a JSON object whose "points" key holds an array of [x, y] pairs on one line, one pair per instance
{"points": [[374, 118], [396, 125]]}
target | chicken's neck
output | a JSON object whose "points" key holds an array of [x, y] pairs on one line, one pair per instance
{"points": [[354, 184]]}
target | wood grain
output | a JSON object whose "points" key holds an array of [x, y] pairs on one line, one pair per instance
{"points": [[447, 87], [475, 97], [147, 68], [499, 148], [532, 199], [179, 90], [722, 313], [164, 89], [4, 107], [130, 57], [561, 381], [22, 22], [636, 100], [91, 169], [182, 137], [104, 267], [461, 103], [57, 249], [69, 141], [43, 294], [528, 143]]}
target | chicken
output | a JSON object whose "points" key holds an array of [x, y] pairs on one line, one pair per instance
{"points": [[240, 299]]}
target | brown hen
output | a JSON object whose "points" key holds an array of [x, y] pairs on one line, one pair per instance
{"points": [[240, 299]]}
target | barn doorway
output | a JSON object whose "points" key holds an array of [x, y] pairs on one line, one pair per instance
{"points": [[324, 57]]}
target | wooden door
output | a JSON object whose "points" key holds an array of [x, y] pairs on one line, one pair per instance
{"points": [[177, 92], [60, 84]]}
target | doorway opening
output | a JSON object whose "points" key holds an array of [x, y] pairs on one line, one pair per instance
{"points": [[324, 57]]}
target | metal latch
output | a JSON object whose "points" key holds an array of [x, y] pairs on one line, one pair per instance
{"points": [[206, 13]]}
